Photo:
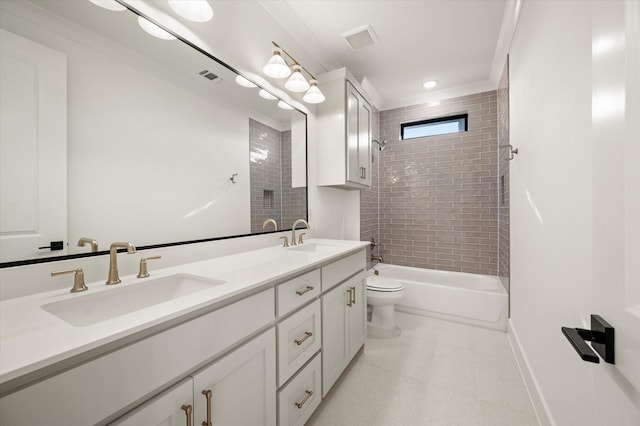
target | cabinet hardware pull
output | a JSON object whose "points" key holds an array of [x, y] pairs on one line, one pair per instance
{"points": [[350, 296], [307, 288], [353, 296], [207, 394], [307, 334], [364, 173], [307, 396], [188, 409]]}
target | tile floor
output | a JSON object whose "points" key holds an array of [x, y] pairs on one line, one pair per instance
{"points": [[435, 373]]}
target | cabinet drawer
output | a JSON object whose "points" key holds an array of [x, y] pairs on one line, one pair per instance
{"points": [[299, 399], [339, 271], [297, 291], [298, 339]]}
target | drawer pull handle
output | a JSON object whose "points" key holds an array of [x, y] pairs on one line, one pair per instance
{"points": [[353, 296], [207, 394], [306, 398], [188, 409], [307, 334], [306, 289], [350, 297]]}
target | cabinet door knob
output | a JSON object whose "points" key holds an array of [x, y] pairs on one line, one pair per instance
{"points": [[207, 394], [188, 409]]}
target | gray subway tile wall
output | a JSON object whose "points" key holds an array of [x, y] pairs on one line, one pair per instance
{"points": [[437, 197], [294, 200]]}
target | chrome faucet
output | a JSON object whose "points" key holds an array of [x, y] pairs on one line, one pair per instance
{"points": [[293, 230], [113, 261], [268, 221]]}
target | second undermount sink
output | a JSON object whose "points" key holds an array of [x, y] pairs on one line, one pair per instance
{"points": [[89, 309], [315, 247]]}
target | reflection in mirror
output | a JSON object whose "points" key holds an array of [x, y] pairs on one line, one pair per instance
{"points": [[130, 137]]}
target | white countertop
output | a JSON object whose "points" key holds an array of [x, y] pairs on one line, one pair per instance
{"points": [[32, 339]]}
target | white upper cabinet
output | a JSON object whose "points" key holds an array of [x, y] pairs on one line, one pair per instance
{"points": [[344, 129]]}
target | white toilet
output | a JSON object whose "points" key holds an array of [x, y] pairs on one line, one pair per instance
{"points": [[382, 295]]}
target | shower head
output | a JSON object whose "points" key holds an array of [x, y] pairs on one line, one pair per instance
{"points": [[380, 144]]}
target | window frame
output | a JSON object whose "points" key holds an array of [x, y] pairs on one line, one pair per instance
{"points": [[456, 117]]}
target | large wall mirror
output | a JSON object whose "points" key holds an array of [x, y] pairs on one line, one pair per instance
{"points": [[111, 134]]}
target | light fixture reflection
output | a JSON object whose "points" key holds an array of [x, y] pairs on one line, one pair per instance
{"points": [[284, 105], [313, 95], [266, 95], [109, 5], [244, 82], [277, 67], [153, 29], [297, 82], [430, 84], [193, 10]]}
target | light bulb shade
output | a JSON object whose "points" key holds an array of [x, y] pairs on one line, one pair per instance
{"points": [[266, 95], [313, 95], [193, 10], [277, 67], [153, 29], [244, 82], [109, 5], [284, 105], [297, 82]]}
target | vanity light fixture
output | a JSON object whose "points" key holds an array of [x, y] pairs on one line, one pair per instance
{"points": [[193, 10], [429, 84], [266, 95], [278, 67], [284, 105], [153, 29], [109, 5], [244, 82]]}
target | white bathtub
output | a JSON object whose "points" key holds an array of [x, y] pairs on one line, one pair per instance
{"points": [[456, 296]]}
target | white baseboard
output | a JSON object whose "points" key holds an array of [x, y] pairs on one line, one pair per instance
{"points": [[539, 404]]}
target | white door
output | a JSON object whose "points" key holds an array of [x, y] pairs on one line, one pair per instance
{"points": [[33, 148], [242, 386], [171, 408], [353, 107], [575, 203], [357, 314], [364, 141]]}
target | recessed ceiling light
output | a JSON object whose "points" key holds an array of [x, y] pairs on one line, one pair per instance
{"points": [[109, 4], [153, 29], [193, 10], [244, 82], [429, 84]]}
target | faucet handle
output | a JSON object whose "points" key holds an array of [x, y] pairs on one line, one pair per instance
{"points": [[285, 243], [144, 272], [78, 279], [300, 241]]}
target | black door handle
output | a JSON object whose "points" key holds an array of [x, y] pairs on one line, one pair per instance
{"points": [[601, 336]]}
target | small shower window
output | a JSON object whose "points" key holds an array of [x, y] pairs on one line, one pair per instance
{"points": [[434, 126]]}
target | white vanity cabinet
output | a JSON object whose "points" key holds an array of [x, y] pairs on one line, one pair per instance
{"points": [[343, 316], [344, 123]]}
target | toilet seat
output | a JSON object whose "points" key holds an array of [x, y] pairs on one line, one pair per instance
{"points": [[384, 285]]}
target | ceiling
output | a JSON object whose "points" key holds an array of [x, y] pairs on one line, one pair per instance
{"points": [[451, 41]]}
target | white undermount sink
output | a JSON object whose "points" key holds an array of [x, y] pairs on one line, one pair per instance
{"points": [[88, 309], [314, 247]]}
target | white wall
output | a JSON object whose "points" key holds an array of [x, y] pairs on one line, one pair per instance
{"points": [[568, 205]]}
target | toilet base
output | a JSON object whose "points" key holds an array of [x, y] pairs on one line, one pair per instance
{"points": [[381, 333]]}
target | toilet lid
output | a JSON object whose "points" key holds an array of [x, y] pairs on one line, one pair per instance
{"points": [[377, 283]]}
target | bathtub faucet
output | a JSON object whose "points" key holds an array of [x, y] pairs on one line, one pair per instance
{"points": [[376, 258]]}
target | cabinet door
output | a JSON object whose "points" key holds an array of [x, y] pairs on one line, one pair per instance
{"points": [[242, 385], [335, 344], [354, 170], [357, 314], [364, 141], [171, 408]]}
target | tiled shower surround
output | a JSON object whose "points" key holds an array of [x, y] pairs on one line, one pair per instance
{"points": [[436, 197], [270, 178], [503, 178]]}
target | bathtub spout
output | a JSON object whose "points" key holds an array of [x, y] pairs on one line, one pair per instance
{"points": [[376, 258]]}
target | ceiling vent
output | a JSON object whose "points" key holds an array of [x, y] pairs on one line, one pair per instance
{"points": [[207, 74], [361, 37]]}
